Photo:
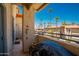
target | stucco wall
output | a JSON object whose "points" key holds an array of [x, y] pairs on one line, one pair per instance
{"points": [[19, 27], [28, 28], [8, 27], [14, 21], [8, 21]]}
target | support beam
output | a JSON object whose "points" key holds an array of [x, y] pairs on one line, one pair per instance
{"points": [[41, 7]]}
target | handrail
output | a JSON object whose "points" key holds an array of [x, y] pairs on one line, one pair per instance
{"points": [[62, 36], [66, 34]]}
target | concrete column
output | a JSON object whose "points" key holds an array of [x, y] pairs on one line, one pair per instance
{"points": [[28, 28], [8, 27], [14, 22]]}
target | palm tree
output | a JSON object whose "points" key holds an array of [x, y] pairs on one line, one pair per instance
{"points": [[73, 23], [56, 19], [41, 20], [49, 15], [44, 25]]}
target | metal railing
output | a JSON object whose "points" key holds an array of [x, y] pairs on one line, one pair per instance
{"points": [[72, 35], [63, 36], [66, 36]]}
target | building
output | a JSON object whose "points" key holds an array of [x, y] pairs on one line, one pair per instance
{"points": [[67, 29], [72, 29], [53, 29]]}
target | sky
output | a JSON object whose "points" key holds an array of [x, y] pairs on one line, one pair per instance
{"points": [[68, 12], [20, 8]]}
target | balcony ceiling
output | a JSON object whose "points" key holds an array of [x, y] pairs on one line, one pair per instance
{"points": [[28, 5], [37, 6]]}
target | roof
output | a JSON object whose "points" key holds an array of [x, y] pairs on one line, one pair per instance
{"points": [[18, 15], [53, 27], [72, 26], [66, 26]]}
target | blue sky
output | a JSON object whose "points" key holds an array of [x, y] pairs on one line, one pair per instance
{"points": [[68, 12], [20, 8]]}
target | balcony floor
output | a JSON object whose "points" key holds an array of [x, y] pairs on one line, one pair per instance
{"points": [[17, 51]]}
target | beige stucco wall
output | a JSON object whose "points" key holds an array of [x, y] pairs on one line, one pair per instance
{"points": [[8, 27], [14, 19], [28, 20], [73, 30], [9, 14], [28, 26], [19, 27]]}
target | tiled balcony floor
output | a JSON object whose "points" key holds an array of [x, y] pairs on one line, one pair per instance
{"points": [[17, 51]]}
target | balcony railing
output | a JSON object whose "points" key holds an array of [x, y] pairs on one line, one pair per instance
{"points": [[69, 37]]}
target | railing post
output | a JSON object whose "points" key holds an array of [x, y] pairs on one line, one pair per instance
{"points": [[62, 30]]}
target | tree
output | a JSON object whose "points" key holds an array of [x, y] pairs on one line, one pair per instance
{"points": [[56, 19], [73, 23], [49, 16], [41, 20]]}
